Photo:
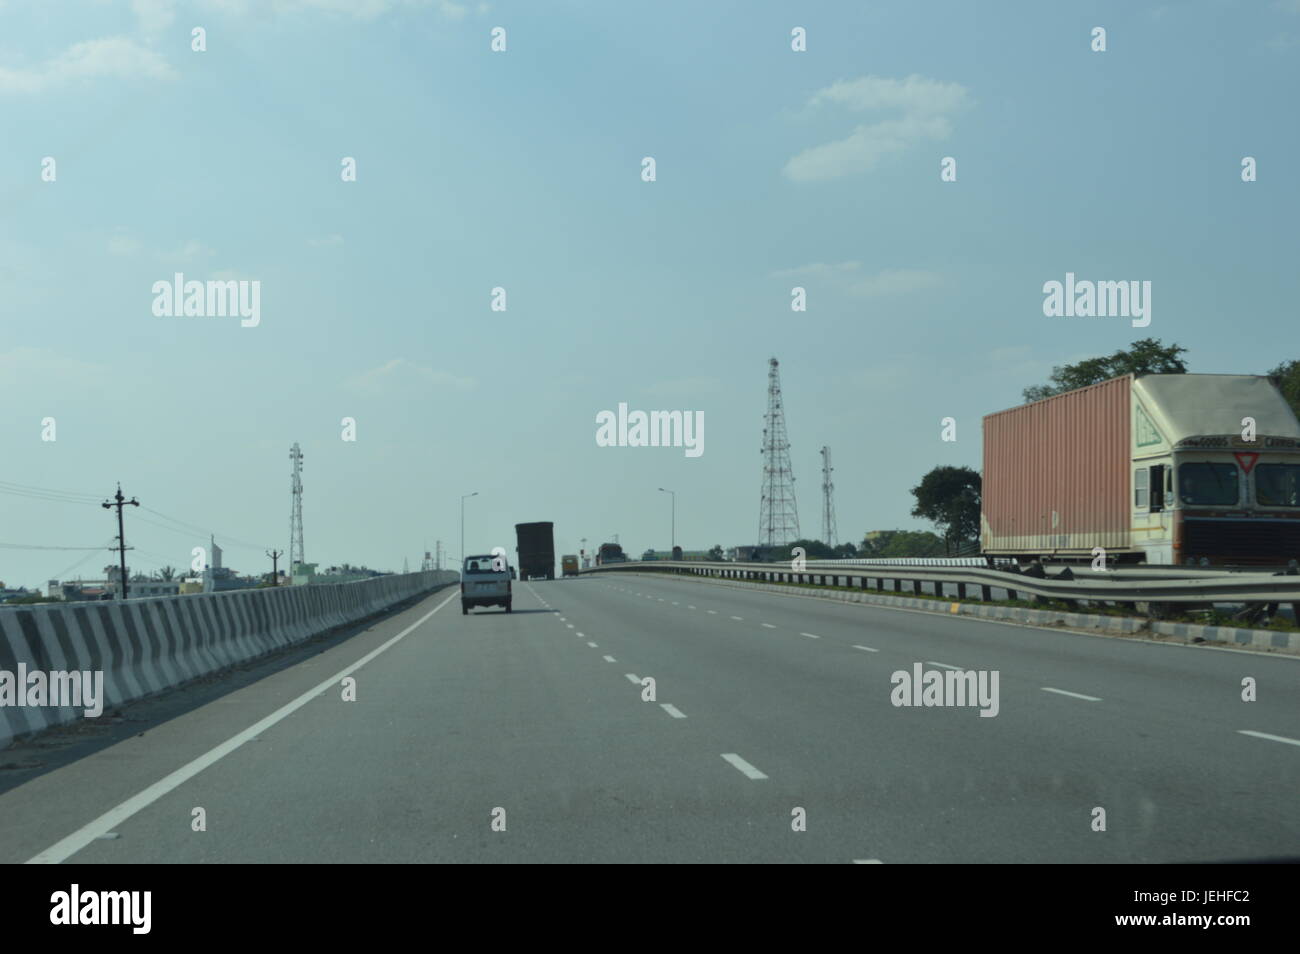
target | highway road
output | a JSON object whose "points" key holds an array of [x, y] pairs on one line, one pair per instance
{"points": [[765, 704]]}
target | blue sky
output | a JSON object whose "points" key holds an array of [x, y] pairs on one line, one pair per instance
{"points": [[522, 169]]}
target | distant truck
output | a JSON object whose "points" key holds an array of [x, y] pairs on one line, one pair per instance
{"points": [[610, 553], [1155, 468], [569, 564], [535, 552]]}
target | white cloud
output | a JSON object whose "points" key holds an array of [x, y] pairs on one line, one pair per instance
{"points": [[817, 270], [116, 57], [400, 374], [358, 9], [898, 281], [154, 15], [915, 96], [120, 243], [191, 251], [924, 103], [325, 241], [863, 148]]}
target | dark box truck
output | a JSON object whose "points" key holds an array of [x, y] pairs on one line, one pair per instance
{"points": [[535, 552]]}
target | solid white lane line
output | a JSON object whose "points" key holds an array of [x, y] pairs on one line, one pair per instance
{"points": [[748, 770], [931, 662], [111, 819], [767, 625], [810, 635], [672, 710], [632, 677], [610, 659], [866, 649], [1271, 738], [1072, 695]]}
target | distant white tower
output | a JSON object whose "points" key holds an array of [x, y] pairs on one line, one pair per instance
{"points": [[828, 499], [295, 510]]}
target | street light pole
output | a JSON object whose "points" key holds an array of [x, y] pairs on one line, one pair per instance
{"points": [[462, 524], [674, 495]]}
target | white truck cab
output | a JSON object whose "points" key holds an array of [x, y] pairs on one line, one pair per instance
{"points": [[485, 581]]}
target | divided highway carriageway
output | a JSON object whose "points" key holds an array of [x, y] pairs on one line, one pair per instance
{"points": [[639, 718]]}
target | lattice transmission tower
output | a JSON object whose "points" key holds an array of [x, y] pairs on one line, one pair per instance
{"points": [[778, 517]]}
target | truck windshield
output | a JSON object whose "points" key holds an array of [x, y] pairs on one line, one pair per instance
{"points": [[1277, 485], [1207, 484]]}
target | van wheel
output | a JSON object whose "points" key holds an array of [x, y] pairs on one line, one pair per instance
{"points": [[508, 608]]}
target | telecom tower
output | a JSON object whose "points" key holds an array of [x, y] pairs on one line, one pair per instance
{"points": [[828, 499], [295, 510], [778, 517]]}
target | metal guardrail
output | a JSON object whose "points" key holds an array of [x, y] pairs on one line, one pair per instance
{"points": [[1100, 586]]}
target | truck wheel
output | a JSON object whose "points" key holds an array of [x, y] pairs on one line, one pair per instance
{"points": [[508, 606], [464, 610]]}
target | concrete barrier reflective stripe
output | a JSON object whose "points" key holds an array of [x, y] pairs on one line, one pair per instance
{"points": [[146, 646]]}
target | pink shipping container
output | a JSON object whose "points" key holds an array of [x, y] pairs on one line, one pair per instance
{"points": [[1056, 474]]}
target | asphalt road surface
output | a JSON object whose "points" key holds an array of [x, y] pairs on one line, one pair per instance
{"points": [[527, 737]]}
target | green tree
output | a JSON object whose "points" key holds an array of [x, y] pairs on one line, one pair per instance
{"points": [[891, 544], [715, 553], [1288, 379], [813, 550], [1147, 356], [949, 497]]}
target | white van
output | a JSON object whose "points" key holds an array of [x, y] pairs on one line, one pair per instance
{"points": [[484, 583]]}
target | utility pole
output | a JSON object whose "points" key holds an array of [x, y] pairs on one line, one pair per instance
{"points": [[275, 572], [119, 502]]}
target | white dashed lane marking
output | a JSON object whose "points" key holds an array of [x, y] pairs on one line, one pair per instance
{"points": [[866, 649], [810, 635], [1072, 695], [672, 710], [632, 677], [1271, 738], [610, 659], [745, 768]]}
